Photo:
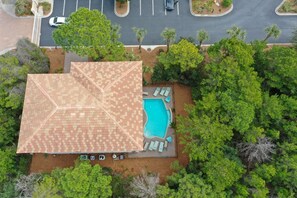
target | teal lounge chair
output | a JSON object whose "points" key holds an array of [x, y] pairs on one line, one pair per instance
{"points": [[169, 139], [167, 99]]}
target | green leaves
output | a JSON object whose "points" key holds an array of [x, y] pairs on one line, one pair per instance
{"points": [[89, 33]]}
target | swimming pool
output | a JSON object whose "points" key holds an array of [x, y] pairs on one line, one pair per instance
{"points": [[158, 118]]}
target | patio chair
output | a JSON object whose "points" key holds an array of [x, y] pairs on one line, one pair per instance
{"points": [[161, 147], [157, 90], [167, 91], [163, 91], [169, 139], [145, 146], [156, 145], [122, 156], [92, 157], [151, 147], [166, 145], [83, 157], [101, 157], [168, 99]]}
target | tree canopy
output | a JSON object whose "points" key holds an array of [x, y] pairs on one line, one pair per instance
{"points": [[89, 33]]}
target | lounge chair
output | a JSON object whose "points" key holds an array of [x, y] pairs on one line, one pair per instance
{"points": [[157, 90], [156, 145], [168, 99], [166, 144], [145, 146], [163, 91], [167, 91], [145, 93], [161, 147], [151, 147]]}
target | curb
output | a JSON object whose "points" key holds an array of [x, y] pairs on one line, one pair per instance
{"points": [[50, 13], [121, 15], [207, 15], [283, 14], [7, 50]]}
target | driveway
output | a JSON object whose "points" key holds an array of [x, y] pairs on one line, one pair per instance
{"points": [[252, 15], [12, 29]]}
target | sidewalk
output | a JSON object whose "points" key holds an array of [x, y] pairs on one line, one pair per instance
{"points": [[12, 29]]}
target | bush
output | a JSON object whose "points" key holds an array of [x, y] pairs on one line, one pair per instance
{"points": [[227, 3], [46, 6], [23, 7]]}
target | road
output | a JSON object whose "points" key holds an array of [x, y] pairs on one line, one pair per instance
{"points": [[252, 15]]}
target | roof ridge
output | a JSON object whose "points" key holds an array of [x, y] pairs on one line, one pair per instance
{"points": [[41, 125], [43, 92], [123, 75], [124, 131], [89, 79]]}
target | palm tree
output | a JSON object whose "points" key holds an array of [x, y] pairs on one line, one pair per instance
{"points": [[168, 35], [236, 32], [115, 32], [272, 30], [202, 35], [140, 34]]}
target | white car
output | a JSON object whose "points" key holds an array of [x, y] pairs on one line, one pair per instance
{"points": [[56, 21]]}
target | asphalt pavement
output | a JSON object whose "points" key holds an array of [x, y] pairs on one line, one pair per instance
{"points": [[252, 16]]}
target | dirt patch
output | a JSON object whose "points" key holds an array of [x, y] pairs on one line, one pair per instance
{"points": [[128, 166], [121, 8], [209, 7], [289, 6], [56, 57], [148, 57]]}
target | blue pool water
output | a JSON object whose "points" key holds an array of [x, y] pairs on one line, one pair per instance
{"points": [[158, 118]]}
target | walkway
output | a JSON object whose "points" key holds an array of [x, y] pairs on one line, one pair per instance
{"points": [[12, 29]]}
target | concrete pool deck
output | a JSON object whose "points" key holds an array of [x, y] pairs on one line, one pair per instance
{"points": [[171, 149]]}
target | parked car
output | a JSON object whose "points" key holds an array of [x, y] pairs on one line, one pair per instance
{"points": [[56, 21], [169, 5]]}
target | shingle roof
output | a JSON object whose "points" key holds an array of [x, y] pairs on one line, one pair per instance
{"points": [[95, 108]]}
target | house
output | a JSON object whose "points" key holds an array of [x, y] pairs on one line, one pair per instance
{"points": [[96, 108]]}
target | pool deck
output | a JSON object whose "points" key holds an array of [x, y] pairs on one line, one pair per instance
{"points": [[171, 149]]}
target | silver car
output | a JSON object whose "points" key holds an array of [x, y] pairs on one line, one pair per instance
{"points": [[56, 21]]}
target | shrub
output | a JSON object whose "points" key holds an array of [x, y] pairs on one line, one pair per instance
{"points": [[46, 6], [23, 7], [227, 3]]}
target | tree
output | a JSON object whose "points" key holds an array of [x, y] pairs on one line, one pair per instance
{"points": [[257, 152], [48, 188], [168, 35], [84, 180], [25, 184], [272, 30], [7, 158], [236, 32], [144, 185], [222, 172], [86, 33], [140, 34], [183, 56], [202, 35], [281, 70], [115, 33]]}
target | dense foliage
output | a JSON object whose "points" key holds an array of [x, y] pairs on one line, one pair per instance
{"points": [[14, 67], [89, 33], [241, 132]]}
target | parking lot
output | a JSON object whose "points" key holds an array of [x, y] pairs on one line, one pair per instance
{"points": [[151, 15]]}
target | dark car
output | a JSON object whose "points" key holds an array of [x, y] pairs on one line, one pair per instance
{"points": [[169, 5]]}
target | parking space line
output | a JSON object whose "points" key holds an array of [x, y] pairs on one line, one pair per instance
{"points": [[76, 4], [102, 6], [165, 10], [64, 7], [140, 7], [90, 1], [153, 7], [177, 8]]}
